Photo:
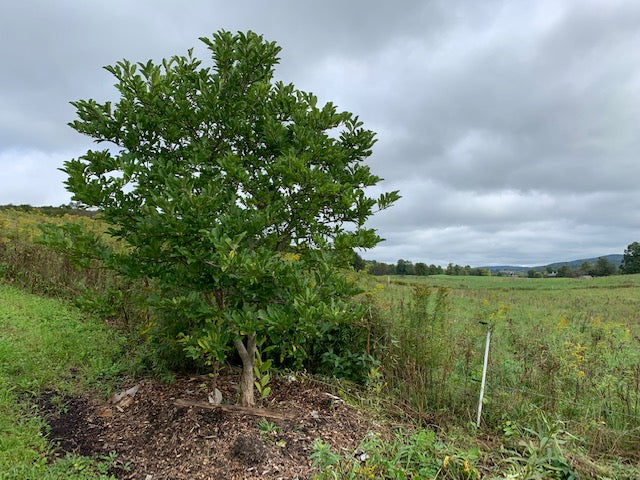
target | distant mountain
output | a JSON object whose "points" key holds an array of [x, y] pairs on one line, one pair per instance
{"points": [[615, 259], [508, 268]]}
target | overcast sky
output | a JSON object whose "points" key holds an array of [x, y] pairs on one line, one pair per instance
{"points": [[511, 128]]}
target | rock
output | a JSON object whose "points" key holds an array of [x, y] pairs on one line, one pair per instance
{"points": [[215, 398]]}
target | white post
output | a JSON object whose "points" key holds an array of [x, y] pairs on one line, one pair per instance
{"points": [[484, 375]]}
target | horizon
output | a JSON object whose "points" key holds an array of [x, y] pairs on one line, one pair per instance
{"points": [[490, 265], [505, 265]]}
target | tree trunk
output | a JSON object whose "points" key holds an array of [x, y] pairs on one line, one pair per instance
{"points": [[247, 378]]}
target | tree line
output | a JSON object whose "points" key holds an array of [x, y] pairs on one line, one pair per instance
{"points": [[71, 208], [601, 268], [407, 267]]}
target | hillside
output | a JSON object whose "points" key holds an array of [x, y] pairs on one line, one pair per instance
{"points": [[615, 259]]}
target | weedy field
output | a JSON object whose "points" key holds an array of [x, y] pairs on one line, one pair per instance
{"points": [[563, 385], [565, 350]]}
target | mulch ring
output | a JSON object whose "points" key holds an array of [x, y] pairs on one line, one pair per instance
{"points": [[158, 440]]}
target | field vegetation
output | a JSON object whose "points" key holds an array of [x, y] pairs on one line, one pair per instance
{"points": [[48, 347], [567, 348], [563, 385]]}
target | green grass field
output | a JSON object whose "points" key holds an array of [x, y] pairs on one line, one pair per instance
{"points": [[613, 299], [565, 348], [45, 344]]}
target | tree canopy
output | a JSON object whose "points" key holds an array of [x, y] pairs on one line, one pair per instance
{"points": [[239, 195], [631, 259]]}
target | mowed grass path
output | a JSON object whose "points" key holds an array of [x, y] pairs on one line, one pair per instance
{"points": [[46, 344]]}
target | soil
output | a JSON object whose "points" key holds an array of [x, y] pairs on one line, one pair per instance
{"points": [[157, 440]]}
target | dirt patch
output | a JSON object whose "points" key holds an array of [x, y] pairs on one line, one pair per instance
{"points": [[162, 441], [72, 427]]}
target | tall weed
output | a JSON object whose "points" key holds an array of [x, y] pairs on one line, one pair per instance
{"points": [[574, 364]]}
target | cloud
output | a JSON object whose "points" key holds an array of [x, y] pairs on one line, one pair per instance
{"points": [[510, 129], [32, 177]]}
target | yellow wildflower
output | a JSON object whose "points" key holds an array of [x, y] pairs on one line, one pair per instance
{"points": [[290, 257]]}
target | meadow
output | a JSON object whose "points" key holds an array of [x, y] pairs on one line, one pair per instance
{"points": [[563, 383], [563, 348]]}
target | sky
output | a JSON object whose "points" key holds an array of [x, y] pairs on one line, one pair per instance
{"points": [[511, 129]]}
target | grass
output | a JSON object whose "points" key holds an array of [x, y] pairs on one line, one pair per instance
{"points": [[45, 344], [566, 348], [563, 389]]}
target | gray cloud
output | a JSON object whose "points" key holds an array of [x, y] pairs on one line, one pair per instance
{"points": [[510, 128]]}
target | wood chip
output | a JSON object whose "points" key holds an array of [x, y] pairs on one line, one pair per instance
{"points": [[256, 412]]}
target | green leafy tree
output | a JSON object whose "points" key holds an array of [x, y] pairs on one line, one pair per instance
{"points": [[357, 262], [481, 272], [421, 269], [404, 267], [239, 196], [586, 268], [435, 270], [631, 259], [454, 269], [603, 268], [381, 268]]}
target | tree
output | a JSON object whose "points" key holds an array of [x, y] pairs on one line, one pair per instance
{"points": [[357, 262], [454, 269], [404, 267], [435, 269], [603, 268], [421, 269], [586, 269], [631, 259], [564, 271], [239, 196], [381, 268]]}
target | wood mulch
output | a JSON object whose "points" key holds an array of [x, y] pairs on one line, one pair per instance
{"points": [[162, 432]]}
